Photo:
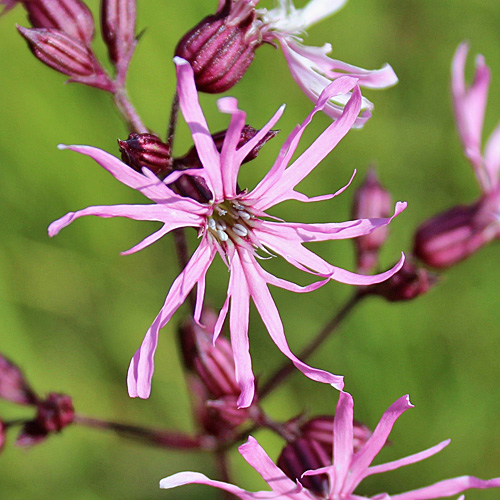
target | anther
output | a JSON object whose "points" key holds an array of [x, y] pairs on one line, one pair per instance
{"points": [[211, 224], [240, 230], [221, 225], [244, 215], [222, 235]]}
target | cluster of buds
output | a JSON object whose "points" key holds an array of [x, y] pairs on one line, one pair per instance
{"points": [[372, 200], [313, 449], [53, 413], [149, 151], [62, 32], [211, 377]]}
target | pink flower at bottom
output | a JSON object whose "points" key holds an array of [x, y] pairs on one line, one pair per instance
{"points": [[348, 470], [235, 225]]}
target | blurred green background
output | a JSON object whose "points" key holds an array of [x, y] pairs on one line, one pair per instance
{"points": [[72, 311]]}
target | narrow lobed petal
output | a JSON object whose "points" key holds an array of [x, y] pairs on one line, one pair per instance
{"points": [[363, 458], [448, 488], [342, 440], [141, 366], [193, 114]]}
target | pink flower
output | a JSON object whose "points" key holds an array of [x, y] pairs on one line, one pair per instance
{"points": [[348, 470], [234, 224], [457, 233], [470, 105]]}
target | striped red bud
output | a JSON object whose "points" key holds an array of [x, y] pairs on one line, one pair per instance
{"points": [[66, 55]]}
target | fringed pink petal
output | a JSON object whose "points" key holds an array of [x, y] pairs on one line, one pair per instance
{"points": [[363, 458], [470, 106], [278, 481], [269, 191], [193, 114], [336, 231], [342, 440], [183, 478], [448, 488], [411, 459], [238, 327], [141, 366], [270, 316], [230, 164]]}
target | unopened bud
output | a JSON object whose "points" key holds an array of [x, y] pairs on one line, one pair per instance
{"points": [[66, 55], [118, 29], [214, 364], [221, 48], [54, 414], [196, 187], [320, 429], [454, 235], [212, 377], [314, 449], [192, 160], [72, 17], [146, 150], [302, 455], [407, 284], [371, 200], [13, 385]]}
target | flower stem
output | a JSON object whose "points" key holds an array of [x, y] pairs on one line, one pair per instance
{"points": [[154, 437], [223, 466], [282, 373], [128, 111], [172, 124]]}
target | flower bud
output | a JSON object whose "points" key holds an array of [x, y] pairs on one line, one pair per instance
{"points": [[192, 160], [407, 284], [72, 17], [3, 434], [66, 55], [221, 47], [211, 378], [303, 455], [54, 414], [320, 429], [146, 150], [314, 449], [454, 235], [118, 29], [371, 200], [13, 385], [214, 364]]}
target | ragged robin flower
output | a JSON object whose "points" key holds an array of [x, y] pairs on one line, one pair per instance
{"points": [[235, 224], [349, 467]]}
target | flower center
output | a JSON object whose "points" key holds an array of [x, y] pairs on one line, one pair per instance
{"points": [[230, 220]]}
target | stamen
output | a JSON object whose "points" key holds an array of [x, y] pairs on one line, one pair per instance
{"points": [[240, 230], [211, 224], [222, 235], [244, 215], [238, 207], [221, 225]]}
